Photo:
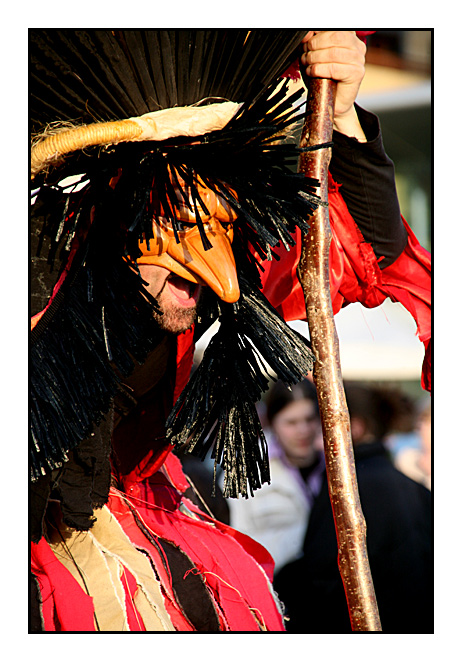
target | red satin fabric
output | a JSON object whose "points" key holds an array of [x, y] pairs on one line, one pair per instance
{"points": [[236, 569], [355, 276], [64, 606]]}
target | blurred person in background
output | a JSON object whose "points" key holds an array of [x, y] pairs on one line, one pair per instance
{"points": [[277, 514], [404, 434], [398, 516], [417, 462]]}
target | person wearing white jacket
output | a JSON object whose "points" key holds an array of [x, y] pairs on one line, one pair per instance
{"points": [[278, 513]]}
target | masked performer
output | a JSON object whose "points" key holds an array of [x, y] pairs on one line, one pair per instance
{"points": [[166, 197]]}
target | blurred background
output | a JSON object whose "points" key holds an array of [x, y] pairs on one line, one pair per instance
{"points": [[397, 87]]}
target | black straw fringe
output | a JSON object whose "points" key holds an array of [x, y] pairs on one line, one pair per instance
{"points": [[96, 329], [99, 75], [247, 162], [217, 408], [104, 314]]}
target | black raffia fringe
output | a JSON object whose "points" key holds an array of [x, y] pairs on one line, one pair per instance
{"points": [[217, 408], [99, 318], [101, 321], [249, 163], [80, 75]]}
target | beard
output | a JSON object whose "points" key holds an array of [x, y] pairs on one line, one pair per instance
{"points": [[175, 319]]}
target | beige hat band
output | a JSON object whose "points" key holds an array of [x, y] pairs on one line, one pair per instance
{"points": [[158, 126]]}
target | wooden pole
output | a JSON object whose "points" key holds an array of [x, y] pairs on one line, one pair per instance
{"points": [[313, 273]]}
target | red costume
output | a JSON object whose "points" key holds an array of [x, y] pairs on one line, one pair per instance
{"points": [[141, 555], [156, 495]]}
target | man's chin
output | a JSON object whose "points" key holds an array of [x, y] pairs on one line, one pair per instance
{"points": [[178, 311], [177, 320]]}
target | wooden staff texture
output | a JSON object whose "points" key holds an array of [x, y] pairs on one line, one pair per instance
{"points": [[313, 273]]}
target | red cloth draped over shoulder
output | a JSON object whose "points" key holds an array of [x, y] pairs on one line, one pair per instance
{"points": [[355, 276], [236, 570]]}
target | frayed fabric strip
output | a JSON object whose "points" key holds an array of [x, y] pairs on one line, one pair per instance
{"points": [[114, 562]]}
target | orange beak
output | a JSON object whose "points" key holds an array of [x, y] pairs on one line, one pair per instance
{"points": [[215, 266]]}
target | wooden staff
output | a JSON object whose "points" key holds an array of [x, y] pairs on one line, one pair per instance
{"points": [[313, 273]]}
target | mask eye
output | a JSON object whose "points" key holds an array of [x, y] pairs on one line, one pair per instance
{"points": [[182, 225]]}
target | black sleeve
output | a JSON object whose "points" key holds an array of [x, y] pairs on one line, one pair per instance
{"points": [[366, 174]]}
